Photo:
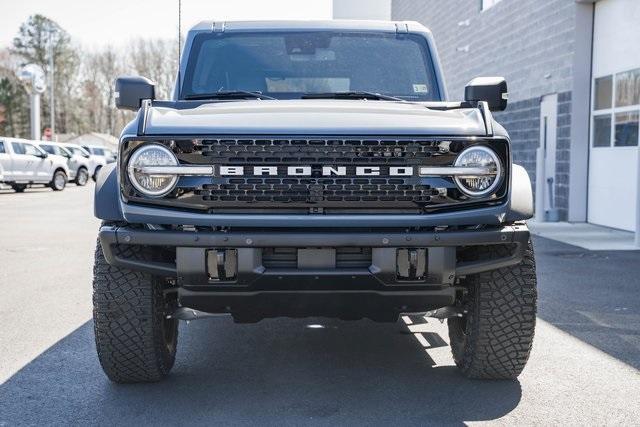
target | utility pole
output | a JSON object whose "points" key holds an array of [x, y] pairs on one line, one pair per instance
{"points": [[52, 109], [35, 116]]}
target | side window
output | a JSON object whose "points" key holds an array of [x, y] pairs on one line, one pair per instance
{"points": [[18, 147], [30, 150], [49, 149], [2, 147]]}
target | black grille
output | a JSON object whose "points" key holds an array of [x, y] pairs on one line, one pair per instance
{"points": [[348, 192], [346, 258], [327, 151], [288, 190]]}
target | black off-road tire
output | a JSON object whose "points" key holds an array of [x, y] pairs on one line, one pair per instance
{"points": [[95, 173], [134, 339], [19, 188], [494, 338]]}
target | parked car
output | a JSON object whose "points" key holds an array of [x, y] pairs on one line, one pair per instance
{"points": [[93, 163], [313, 169], [24, 163], [79, 165], [100, 155]]}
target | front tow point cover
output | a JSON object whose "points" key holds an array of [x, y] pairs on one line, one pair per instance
{"points": [[106, 204], [521, 201]]}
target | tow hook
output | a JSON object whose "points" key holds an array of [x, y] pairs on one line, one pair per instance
{"points": [[446, 312], [185, 313]]}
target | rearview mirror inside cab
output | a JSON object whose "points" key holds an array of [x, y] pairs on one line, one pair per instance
{"points": [[493, 90], [131, 91]]}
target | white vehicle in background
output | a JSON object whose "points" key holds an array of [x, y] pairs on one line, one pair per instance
{"points": [[101, 156], [24, 163], [78, 161]]}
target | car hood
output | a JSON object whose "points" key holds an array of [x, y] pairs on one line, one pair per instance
{"points": [[325, 116]]}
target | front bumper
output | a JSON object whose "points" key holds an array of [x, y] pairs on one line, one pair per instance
{"points": [[257, 292]]}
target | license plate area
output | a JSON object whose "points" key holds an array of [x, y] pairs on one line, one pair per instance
{"points": [[316, 259]]}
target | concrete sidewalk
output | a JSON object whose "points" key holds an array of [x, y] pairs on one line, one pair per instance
{"points": [[584, 235]]}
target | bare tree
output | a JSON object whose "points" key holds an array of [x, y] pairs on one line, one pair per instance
{"points": [[156, 59], [85, 80]]}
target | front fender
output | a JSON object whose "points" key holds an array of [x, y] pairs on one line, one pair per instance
{"points": [[521, 198], [106, 198]]}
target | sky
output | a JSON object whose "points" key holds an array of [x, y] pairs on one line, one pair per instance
{"points": [[95, 23]]}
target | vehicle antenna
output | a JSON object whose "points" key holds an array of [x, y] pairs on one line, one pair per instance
{"points": [[179, 43]]}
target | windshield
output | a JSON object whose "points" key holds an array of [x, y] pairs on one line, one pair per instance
{"points": [[76, 150], [289, 65]]}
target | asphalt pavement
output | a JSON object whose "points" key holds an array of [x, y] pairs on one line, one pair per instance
{"points": [[584, 368]]}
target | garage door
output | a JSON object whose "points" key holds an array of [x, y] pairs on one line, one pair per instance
{"points": [[615, 118]]}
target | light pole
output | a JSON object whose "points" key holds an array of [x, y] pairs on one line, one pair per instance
{"points": [[32, 76], [52, 109]]}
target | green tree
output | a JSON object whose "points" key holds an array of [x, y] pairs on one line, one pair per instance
{"points": [[31, 45], [14, 101]]}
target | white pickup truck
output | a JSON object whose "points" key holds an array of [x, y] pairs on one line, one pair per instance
{"points": [[24, 163]]}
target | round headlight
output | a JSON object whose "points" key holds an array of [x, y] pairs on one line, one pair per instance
{"points": [[152, 184], [479, 184]]}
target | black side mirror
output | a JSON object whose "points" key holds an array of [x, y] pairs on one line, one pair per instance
{"points": [[131, 91], [490, 89], [42, 154]]}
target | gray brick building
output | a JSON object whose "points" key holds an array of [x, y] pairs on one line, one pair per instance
{"points": [[573, 69], [530, 42]]}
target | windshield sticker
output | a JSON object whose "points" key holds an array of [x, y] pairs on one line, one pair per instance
{"points": [[420, 88]]}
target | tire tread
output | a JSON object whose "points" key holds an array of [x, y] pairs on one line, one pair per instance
{"points": [[502, 318], [128, 314]]}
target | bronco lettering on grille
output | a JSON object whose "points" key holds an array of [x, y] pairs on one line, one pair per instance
{"points": [[308, 170]]}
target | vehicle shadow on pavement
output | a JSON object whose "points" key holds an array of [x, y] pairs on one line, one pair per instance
{"points": [[592, 295], [273, 372]]}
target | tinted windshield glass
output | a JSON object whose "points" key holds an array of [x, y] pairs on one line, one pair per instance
{"points": [[77, 150], [287, 65]]}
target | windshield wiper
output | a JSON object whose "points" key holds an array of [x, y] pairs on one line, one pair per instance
{"points": [[229, 94], [351, 95]]}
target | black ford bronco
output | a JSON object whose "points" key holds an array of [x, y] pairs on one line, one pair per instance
{"points": [[313, 169]]}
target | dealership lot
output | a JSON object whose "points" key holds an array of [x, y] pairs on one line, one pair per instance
{"points": [[583, 370]]}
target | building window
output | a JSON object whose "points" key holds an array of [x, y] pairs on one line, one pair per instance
{"points": [[628, 88], [616, 110], [486, 4], [604, 89], [602, 131], [626, 134]]}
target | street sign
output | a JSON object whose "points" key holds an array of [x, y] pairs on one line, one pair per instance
{"points": [[33, 77]]}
